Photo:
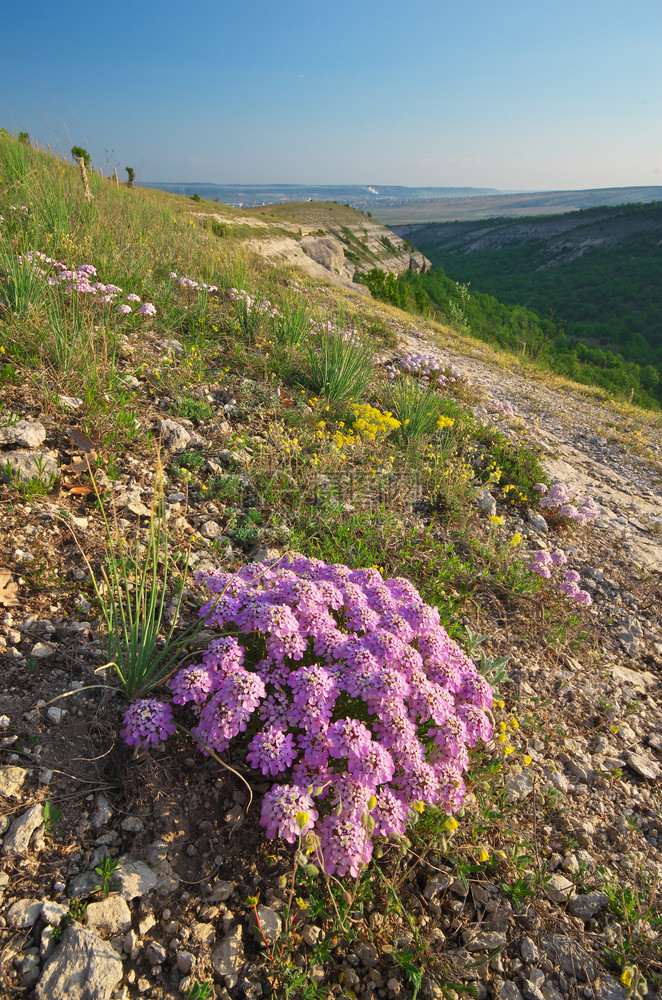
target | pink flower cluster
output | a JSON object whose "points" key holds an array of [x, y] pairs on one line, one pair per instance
{"points": [[563, 501], [55, 273], [351, 335], [428, 368], [248, 303], [349, 688], [542, 564], [503, 408], [190, 283]]}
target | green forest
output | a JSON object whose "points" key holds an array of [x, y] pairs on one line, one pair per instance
{"points": [[544, 340], [579, 293]]}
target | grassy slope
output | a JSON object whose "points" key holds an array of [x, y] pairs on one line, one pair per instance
{"points": [[292, 439]]}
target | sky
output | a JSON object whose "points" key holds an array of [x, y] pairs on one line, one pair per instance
{"points": [[514, 94]]}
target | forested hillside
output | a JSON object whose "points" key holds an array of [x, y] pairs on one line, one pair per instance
{"points": [[595, 273]]}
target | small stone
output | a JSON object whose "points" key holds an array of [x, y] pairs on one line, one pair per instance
{"points": [[173, 436], [55, 714], [587, 905], [111, 915], [484, 940], [519, 787], [41, 651], [269, 925], [203, 933], [487, 503], [509, 991], [529, 950], [436, 885], [559, 888], [135, 878], [11, 781], [52, 912], [20, 833], [156, 953], [23, 434], [228, 956], [210, 529], [146, 924], [221, 891], [130, 942], [102, 812], [28, 968], [83, 967], [70, 402], [537, 522], [185, 962], [311, 934], [131, 824], [643, 766], [27, 465], [23, 913]]}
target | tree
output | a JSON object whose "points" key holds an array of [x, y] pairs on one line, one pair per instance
{"points": [[79, 153], [132, 176]]}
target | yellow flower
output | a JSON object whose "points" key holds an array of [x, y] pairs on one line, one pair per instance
{"points": [[516, 539], [496, 520], [484, 854], [508, 750], [418, 807], [514, 723], [451, 824], [526, 760], [627, 976], [302, 818]]}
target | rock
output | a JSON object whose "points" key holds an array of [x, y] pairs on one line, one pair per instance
{"points": [[28, 968], [172, 345], [509, 991], [135, 878], [228, 956], [518, 787], [529, 950], [606, 987], [52, 912], [559, 888], [531, 991], [23, 434], [11, 781], [367, 953], [20, 833], [102, 811], [174, 437], [27, 465], [210, 529], [269, 925], [23, 913], [643, 766], [588, 904], [484, 940], [435, 886], [537, 522], [137, 508], [74, 402], [203, 933], [564, 952], [629, 642], [311, 934], [111, 915], [221, 891], [54, 714], [156, 953], [486, 503], [185, 962], [132, 824], [84, 967]]}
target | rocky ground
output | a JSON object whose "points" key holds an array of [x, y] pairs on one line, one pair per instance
{"points": [[575, 835]]}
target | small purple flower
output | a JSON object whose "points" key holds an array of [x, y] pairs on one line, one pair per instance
{"points": [[147, 309], [272, 751], [280, 808], [147, 721], [132, 297], [124, 310]]}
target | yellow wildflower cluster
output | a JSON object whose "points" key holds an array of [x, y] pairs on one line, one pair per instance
{"points": [[513, 495], [372, 423], [445, 422]]}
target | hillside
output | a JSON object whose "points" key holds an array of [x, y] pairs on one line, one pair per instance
{"points": [[596, 270], [330, 636]]}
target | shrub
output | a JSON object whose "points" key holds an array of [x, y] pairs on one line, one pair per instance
{"points": [[418, 408], [339, 366], [343, 682]]}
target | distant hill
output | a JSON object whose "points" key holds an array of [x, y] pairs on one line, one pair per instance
{"points": [[359, 196], [598, 270], [503, 205]]}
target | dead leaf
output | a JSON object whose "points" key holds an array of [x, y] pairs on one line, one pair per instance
{"points": [[75, 488], [81, 441], [80, 464], [8, 589]]}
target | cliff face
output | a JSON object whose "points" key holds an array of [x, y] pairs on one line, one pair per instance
{"points": [[326, 240]]}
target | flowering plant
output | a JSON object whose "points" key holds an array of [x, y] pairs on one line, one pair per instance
{"points": [[343, 682], [564, 502]]}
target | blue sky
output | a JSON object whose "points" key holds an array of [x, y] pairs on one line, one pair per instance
{"points": [[508, 94]]}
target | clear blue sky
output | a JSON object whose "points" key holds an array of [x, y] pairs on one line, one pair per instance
{"points": [[512, 94]]}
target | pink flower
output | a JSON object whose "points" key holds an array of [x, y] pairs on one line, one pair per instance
{"points": [[147, 309], [124, 310], [147, 721]]}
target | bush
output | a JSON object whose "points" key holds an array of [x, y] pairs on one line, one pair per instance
{"points": [[344, 683], [339, 366]]}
